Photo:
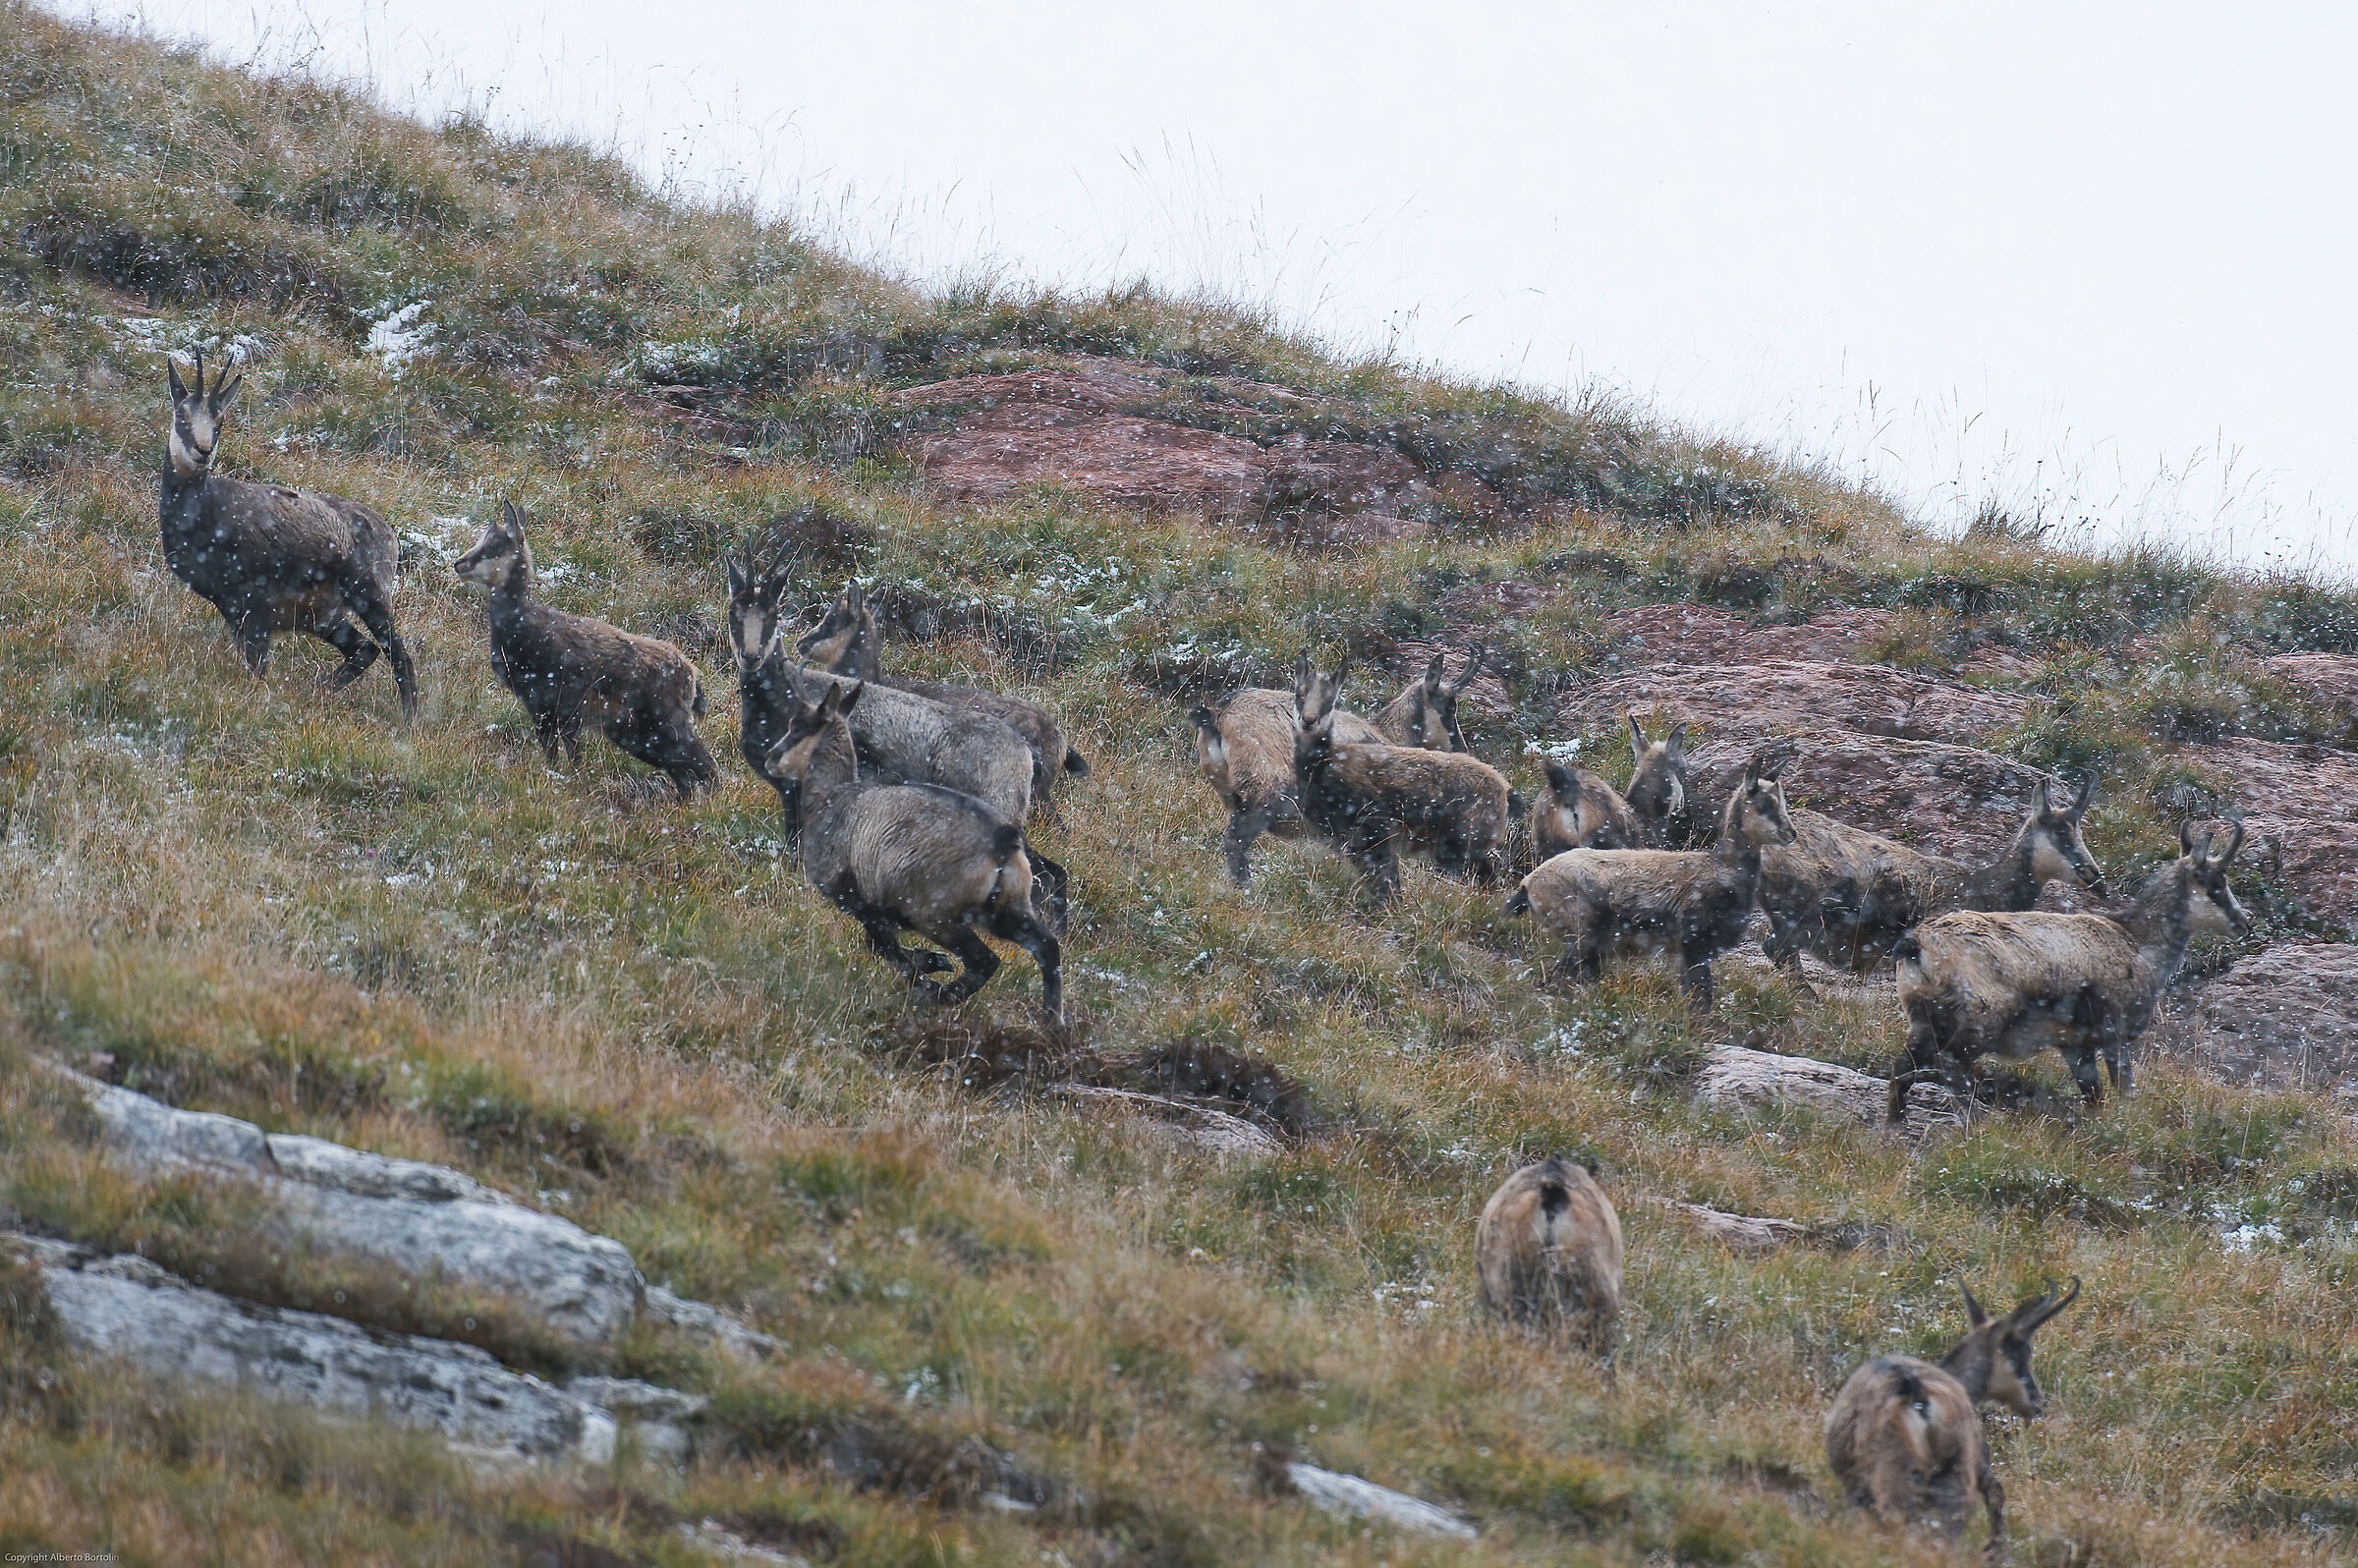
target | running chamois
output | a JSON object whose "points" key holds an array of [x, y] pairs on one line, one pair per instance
{"points": [[273, 559]]}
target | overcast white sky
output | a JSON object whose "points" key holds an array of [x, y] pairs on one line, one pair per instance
{"points": [[2096, 265]]}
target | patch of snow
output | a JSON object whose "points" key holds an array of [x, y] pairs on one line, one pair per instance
{"points": [[402, 336]]}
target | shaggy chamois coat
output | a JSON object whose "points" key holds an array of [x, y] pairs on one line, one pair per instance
{"points": [[911, 858], [1580, 811], [1980, 984], [1245, 750], [1847, 895], [1549, 1251], [569, 669], [271, 559], [1904, 1438], [1374, 800], [1425, 714], [1693, 903], [902, 738], [848, 642]]}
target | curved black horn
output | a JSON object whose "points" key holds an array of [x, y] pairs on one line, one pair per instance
{"points": [[1473, 668], [2031, 1315]]}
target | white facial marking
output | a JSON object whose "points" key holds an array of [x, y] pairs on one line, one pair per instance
{"points": [[1678, 796], [2050, 867], [749, 631]]}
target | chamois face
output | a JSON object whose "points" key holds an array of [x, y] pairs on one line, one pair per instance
{"points": [[197, 417], [1757, 809], [2210, 903], [825, 644], [1313, 707], [789, 761], [1658, 784], [2059, 854], [2007, 1340], [756, 592], [500, 556]]}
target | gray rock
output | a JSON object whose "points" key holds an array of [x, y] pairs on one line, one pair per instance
{"points": [[128, 1308], [1734, 1076], [1348, 1496], [2287, 1018], [662, 1420]]}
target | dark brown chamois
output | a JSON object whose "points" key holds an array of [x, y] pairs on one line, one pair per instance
{"points": [[911, 858], [1425, 714], [1904, 1438], [570, 669], [848, 642], [271, 559], [1658, 789]]}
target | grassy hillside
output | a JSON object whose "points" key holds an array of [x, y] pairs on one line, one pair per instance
{"points": [[242, 897]]}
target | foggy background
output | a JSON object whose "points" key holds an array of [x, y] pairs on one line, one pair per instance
{"points": [[2092, 267]]}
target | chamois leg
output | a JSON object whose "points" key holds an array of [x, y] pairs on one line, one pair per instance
{"points": [[1245, 825], [338, 633], [379, 620], [2119, 1065], [981, 965], [1582, 962], [1026, 931], [884, 935], [1782, 948], [1914, 1066], [2082, 1060], [569, 730], [1695, 978], [1993, 1498], [254, 642], [545, 730], [1379, 861]]}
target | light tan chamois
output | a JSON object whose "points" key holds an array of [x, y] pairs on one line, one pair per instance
{"points": [[849, 642], [1375, 800], [1425, 714], [1691, 903], [1847, 895], [1245, 750], [567, 670], [1583, 810], [1904, 1438], [911, 858], [273, 559], [1981, 984], [1549, 1251]]}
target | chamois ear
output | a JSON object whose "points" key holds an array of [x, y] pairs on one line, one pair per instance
{"points": [[1432, 675], [849, 695], [1301, 676], [1675, 743], [1637, 740], [1974, 1316], [180, 391], [2087, 793], [2186, 836], [510, 517], [1559, 778]]}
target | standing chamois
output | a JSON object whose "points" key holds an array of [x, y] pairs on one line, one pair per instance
{"points": [[911, 858], [1584, 811], [271, 559], [1847, 895], [1373, 801], [1425, 714], [570, 669], [1549, 1251], [1245, 750], [1979, 984], [1692, 903], [1904, 1438], [848, 642]]}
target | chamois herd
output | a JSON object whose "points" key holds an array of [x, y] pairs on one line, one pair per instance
{"points": [[907, 801]]}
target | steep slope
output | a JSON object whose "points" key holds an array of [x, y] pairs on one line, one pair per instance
{"points": [[1019, 1318]]}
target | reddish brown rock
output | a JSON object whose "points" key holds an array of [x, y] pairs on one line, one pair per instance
{"points": [[1946, 800], [1752, 699], [2287, 1018], [2329, 680]]}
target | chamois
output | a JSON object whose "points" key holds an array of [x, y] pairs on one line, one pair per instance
{"points": [[1582, 811], [1847, 895], [1904, 1438], [1690, 902], [1977, 985], [911, 858], [1373, 799], [1657, 787], [1549, 1251], [271, 559], [1245, 750], [568, 669], [848, 642], [1425, 714], [903, 738]]}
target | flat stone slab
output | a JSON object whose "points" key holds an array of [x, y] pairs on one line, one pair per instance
{"points": [[1736, 1077]]}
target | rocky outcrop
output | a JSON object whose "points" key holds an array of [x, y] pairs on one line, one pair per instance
{"points": [[2329, 679], [1736, 1077], [1745, 701], [2300, 804], [411, 1218], [2284, 1019], [1093, 426], [124, 1306]]}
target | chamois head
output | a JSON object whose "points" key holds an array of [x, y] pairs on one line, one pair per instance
{"points": [[197, 416], [1757, 808], [1315, 694], [2059, 854], [1993, 1360], [1590, 815], [789, 761], [2201, 874], [500, 558], [1431, 705], [849, 627], [755, 594], [1658, 785]]}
